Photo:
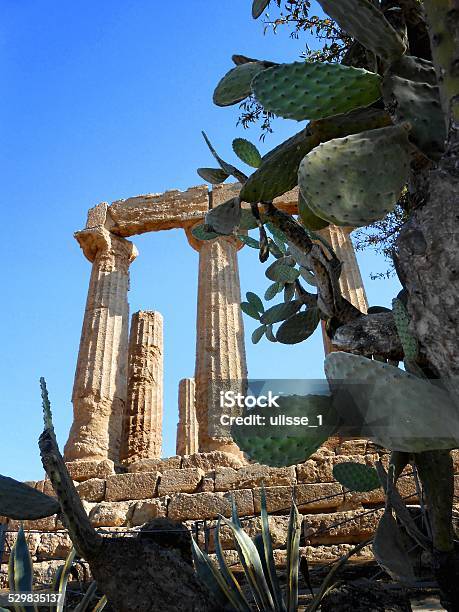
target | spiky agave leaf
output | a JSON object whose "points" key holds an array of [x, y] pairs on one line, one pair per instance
{"points": [[20, 568], [209, 575], [273, 579], [293, 558], [61, 578]]}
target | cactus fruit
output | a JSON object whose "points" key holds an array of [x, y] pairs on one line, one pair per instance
{"points": [[278, 172], [357, 179], [279, 445], [363, 21], [402, 321], [314, 90], [21, 502], [308, 218], [247, 152], [356, 476], [419, 104], [395, 409], [215, 176], [204, 232], [258, 7], [225, 218], [236, 84], [298, 327], [280, 312]]}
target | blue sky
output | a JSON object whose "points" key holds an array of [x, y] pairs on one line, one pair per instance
{"points": [[101, 101]]}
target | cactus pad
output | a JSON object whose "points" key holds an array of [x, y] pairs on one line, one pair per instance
{"points": [[402, 322], [359, 120], [225, 218], [298, 327], [247, 152], [282, 271], [280, 445], [418, 103], [280, 312], [308, 218], [215, 176], [397, 410], [236, 84], [258, 7], [358, 179], [363, 21], [278, 172], [356, 476], [415, 69], [313, 90], [204, 232], [21, 502]]}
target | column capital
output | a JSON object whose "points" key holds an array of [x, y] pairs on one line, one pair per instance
{"points": [[94, 240]]}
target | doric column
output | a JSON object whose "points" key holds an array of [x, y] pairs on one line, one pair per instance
{"points": [[187, 426], [220, 348], [350, 281], [99, 392], [143, 418]]}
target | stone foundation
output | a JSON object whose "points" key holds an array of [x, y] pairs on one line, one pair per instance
{"points": [[199, 487]]}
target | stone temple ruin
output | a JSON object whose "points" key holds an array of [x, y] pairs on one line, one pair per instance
{"points": [[114, 448]]}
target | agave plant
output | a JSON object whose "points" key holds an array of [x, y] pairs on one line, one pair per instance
{"points": [[257, 560]]}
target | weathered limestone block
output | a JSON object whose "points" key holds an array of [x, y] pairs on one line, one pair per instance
{"points": [[199, 506], [159, 211], [49, 523], [99, 392], [43, 573], [321, 469], [110, 514], [187, 426], [211, 461], [352, 447], [92, 490], [142, 423], [53, 546], [351, 527], [148, 509], [185, 480], [131, 486], [207, 484], [308, 497], [220, 348], [84, 470], [325, 554], [32, 539], [156, 465], [253, 475]]}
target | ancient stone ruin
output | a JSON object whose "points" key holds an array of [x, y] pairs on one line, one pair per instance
{"points": [[113, 451]]}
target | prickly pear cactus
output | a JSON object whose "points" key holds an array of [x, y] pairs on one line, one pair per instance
{"points": [[356, 476], [204, 232], [225, 218], [215, 176], [258, 7], [357, 179], [247, 152], [365, 22], [402, 321], [314, 90], [235, 86], [414, 69], [298, 327], [309, 219], [278, 445], [280, 312], [419, 104], [21, 502], [395, 409], [278, 172]]}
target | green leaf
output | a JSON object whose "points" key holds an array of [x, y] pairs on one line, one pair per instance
{"points": [[269, 555], [253, 299], [258, 7], [280, 312], [249, 241], [213, 175], [298, 327], [258, 334], [293, 558], [273, 290], [247, 152], [356, 476], [250, 310]]}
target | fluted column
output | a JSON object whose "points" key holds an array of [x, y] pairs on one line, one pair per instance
{"points": [[187, 427], [143, 418], [350, 281], [99, 392]]}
